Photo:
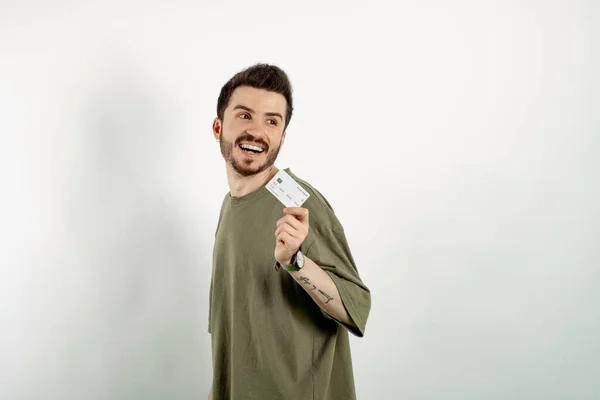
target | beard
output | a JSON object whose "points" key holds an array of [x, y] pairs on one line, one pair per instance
{"points": [[248, 167]]}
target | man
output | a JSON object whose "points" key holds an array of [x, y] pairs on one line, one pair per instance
{"points": [[284, 289]]}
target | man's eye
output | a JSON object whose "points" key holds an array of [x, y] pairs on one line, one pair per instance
{"points": [[272, 122], [244, 116]]}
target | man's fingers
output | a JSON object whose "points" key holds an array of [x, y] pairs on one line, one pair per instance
{"points": [[299, 212], [285, 227], [288, 219], [286, 239], [300, 230]]}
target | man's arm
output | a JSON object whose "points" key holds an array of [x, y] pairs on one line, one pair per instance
{"points": [[319, 285], [210, 394], [318, 281]]}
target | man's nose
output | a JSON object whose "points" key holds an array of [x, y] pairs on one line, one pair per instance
{"points": [[256, 129]]}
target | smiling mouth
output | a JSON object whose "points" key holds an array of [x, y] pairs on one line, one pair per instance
{"points": [[251, 149]]}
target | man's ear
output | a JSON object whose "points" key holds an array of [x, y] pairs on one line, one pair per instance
{"points": [[216, 127], [283, 137]]}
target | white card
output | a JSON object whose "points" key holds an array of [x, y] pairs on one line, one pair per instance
{"points": [[287, 190]]}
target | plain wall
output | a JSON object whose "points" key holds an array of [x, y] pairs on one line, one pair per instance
{"points": [[458, 142]]}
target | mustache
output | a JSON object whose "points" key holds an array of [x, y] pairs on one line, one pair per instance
{"points": [[252, 139]]}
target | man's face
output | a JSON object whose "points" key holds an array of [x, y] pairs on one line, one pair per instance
{"points": [[251, 132]]}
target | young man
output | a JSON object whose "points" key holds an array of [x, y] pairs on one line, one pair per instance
{"points": [[285, 290]]}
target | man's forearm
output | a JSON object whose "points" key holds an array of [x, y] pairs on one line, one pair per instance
{"points": [[319, 285]]}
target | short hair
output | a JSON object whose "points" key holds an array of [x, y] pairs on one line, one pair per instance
{"points": [[259, 76]]}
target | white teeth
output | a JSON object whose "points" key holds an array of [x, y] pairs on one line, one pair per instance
{"points": [[250, 147]]}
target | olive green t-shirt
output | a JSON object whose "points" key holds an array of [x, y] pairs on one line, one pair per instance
{"points": [[270, 340]]}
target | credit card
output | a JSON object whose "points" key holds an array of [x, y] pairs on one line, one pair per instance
{"points": [[287, 190]]}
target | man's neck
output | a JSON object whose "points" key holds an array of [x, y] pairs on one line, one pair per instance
{"points": [[242, 185]]}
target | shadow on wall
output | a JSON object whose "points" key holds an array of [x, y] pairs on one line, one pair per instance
{"points": [[138, 329]]}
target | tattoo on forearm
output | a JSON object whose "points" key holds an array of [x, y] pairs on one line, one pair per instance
{"points": [[328, 297], [307, 281]]}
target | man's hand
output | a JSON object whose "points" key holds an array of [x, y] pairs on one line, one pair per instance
{"points": [[290, 233]]}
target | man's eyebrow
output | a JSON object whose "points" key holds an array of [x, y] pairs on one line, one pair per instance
{"points": [[251, 111], [274, 114], [239, 106]]}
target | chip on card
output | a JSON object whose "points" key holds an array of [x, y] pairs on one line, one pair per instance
{"points": [[287, 190]]}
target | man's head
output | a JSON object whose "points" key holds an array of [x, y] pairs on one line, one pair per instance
{"points": [[254, 109]]}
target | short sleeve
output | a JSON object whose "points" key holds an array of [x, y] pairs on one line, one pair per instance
{"points": [[329, 249]]}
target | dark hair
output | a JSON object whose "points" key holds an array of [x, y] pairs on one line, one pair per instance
{"points": [[260, 76]]}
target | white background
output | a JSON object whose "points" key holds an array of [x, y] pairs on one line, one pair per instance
{"points": [[458, 143]]}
